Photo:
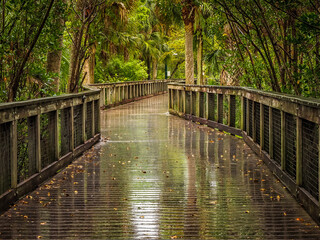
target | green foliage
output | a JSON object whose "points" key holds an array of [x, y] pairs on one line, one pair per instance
{"points": [[270, 45], [22, 21], [118, 71]]}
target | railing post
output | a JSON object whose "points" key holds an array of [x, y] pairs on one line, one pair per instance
{"points": [[178, 100], [261, 126], [253, 121], [127, 92], [211, 106], [207, 106], [37, 143], [248, 117], [98, 118], [102, 96], [83, 117], [220, 108], [184, 101], [232, 111], [283, 141], [109, 96], [72, 128], [14, 153], [299, 152], [92, 119], [191, 103], [188, 102], [197, 104], [242, 119], [114, 95], [119, 94], [270, 133]]}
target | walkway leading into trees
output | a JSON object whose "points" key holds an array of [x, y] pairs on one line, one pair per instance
{"points": [[157, 176]]}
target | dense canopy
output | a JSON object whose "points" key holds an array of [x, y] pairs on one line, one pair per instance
{"points": [[49, 47]]}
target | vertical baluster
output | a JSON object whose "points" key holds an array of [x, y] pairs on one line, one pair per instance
{"points": [[71, 128], [220, 108], [299, 152], [83, 118], [243, 116], [232, 111], [102, 96], [184, 101], [271, 133], [261, 126], [283, 147], [14, 153], [92, 119]]}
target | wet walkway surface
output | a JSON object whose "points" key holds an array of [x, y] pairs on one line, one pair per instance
{"points": [[155, 176]]}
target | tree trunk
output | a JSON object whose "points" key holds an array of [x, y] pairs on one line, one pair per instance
{"points": [[89, 66], [176, 67], [149, 68], [54, 63], [54, 56], [154, 69], [189, 53], [74, 62], [126, 54], [199, 61]]}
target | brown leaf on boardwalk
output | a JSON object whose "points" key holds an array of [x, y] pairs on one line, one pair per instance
{"points": [[174, 237]]}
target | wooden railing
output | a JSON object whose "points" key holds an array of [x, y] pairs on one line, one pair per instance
{"points": [[113, 94], [282, 129], [39, 137]]}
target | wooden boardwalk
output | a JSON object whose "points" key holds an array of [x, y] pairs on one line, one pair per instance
{"points": [[155, 176]]}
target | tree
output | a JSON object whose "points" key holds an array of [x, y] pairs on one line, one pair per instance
{"points": [[83, 14], [55, 52], [17, 48]]}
